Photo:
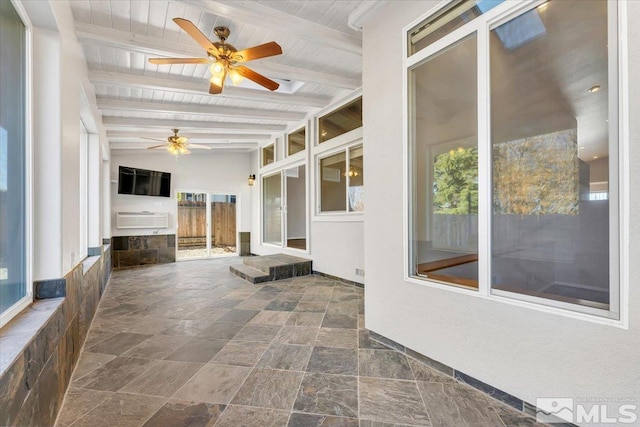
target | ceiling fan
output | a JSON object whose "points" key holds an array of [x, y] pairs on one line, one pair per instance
{"points": [[176, 145], [224, 58]]}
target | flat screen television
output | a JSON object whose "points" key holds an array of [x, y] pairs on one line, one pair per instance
{"points": [[144, 182]]}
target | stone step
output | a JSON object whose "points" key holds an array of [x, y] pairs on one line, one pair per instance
{"points": [[274, 267], [249, 274], [279, 265]]}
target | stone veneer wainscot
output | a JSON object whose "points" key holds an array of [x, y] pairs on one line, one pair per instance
{"points": [[34, 382], [133, 251]]}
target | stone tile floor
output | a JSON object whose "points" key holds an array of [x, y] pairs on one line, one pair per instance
{"points": [[183, 254], [189, 344]]}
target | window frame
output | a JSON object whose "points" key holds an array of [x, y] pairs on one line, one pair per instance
{"points": [[306, 141], [7, 315], [618, 157], [84, 192], [275, 153], [262, 177], [346, 136], [345, 148]]}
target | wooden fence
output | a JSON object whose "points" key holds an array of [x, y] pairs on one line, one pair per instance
{"points": [[193, 225]]}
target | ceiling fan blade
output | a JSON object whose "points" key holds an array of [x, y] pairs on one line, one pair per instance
{"points": [[206, 147], [257, 52], [197, 35], [156, 146], [256, 77], [162, 61], [152, 139]]}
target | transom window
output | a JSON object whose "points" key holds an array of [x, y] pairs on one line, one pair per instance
{"points": [[513, 147], [340, 121], [296, 141], [268, 154]]}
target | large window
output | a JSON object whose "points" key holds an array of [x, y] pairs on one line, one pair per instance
{"points": [[14, 288], [533, 175], [341, 181]]}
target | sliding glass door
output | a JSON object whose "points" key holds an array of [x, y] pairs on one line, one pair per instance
{"points": [[295, 207], [272, 209], [284, 208], [206, 225]]}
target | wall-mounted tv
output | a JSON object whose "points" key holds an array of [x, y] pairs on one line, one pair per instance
{"points": [[144, 182]]}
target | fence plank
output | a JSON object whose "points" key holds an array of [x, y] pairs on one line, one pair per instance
{"points": [[192, 222]]}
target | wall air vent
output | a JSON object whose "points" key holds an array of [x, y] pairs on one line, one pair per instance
{"points": [[142, 220]]}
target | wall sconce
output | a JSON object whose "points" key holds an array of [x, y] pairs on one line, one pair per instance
{"points": [[252, 179]]}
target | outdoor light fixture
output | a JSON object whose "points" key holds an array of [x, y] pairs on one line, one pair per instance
{"points": [[252, 178]]}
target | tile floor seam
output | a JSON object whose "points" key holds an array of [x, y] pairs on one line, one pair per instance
{"points": [[426, 409], [358, 382], [55, 423], [152, 414]]}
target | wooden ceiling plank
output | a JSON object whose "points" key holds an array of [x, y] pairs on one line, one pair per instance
{"points": [[94, 34], [123, 122], [198, 109], [244, 146], [260, 15], [231, 92], [135, 134]]}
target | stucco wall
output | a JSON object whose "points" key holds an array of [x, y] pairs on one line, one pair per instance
{"points": [[523, 351]]}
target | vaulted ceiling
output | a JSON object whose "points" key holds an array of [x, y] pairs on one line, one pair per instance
{"points": [[321, 63]]}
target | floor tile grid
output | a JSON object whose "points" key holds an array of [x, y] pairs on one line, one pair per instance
{"points": [[494, 403], [102, 306], [174, 395], [339, 294], [305, 371]]}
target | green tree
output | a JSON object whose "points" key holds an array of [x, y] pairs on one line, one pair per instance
{"points": [[455, 187]]}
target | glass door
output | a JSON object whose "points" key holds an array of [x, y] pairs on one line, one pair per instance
{"points": [[192, 225], [295, 207], [272, 209], [222, 214], [206, 225]]}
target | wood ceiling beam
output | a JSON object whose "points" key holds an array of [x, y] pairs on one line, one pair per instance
{"points": [[126, 122], [142, 147], [137, 81], [94, 34], [132, 134], [198, 109], [253, 13]]}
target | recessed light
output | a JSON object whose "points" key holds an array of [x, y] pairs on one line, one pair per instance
{"points": [[595, 157], [582, 147], [594, 89]]}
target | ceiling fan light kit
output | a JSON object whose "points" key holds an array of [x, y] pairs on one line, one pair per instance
{"points": [[176, 145], [225, 59]]}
